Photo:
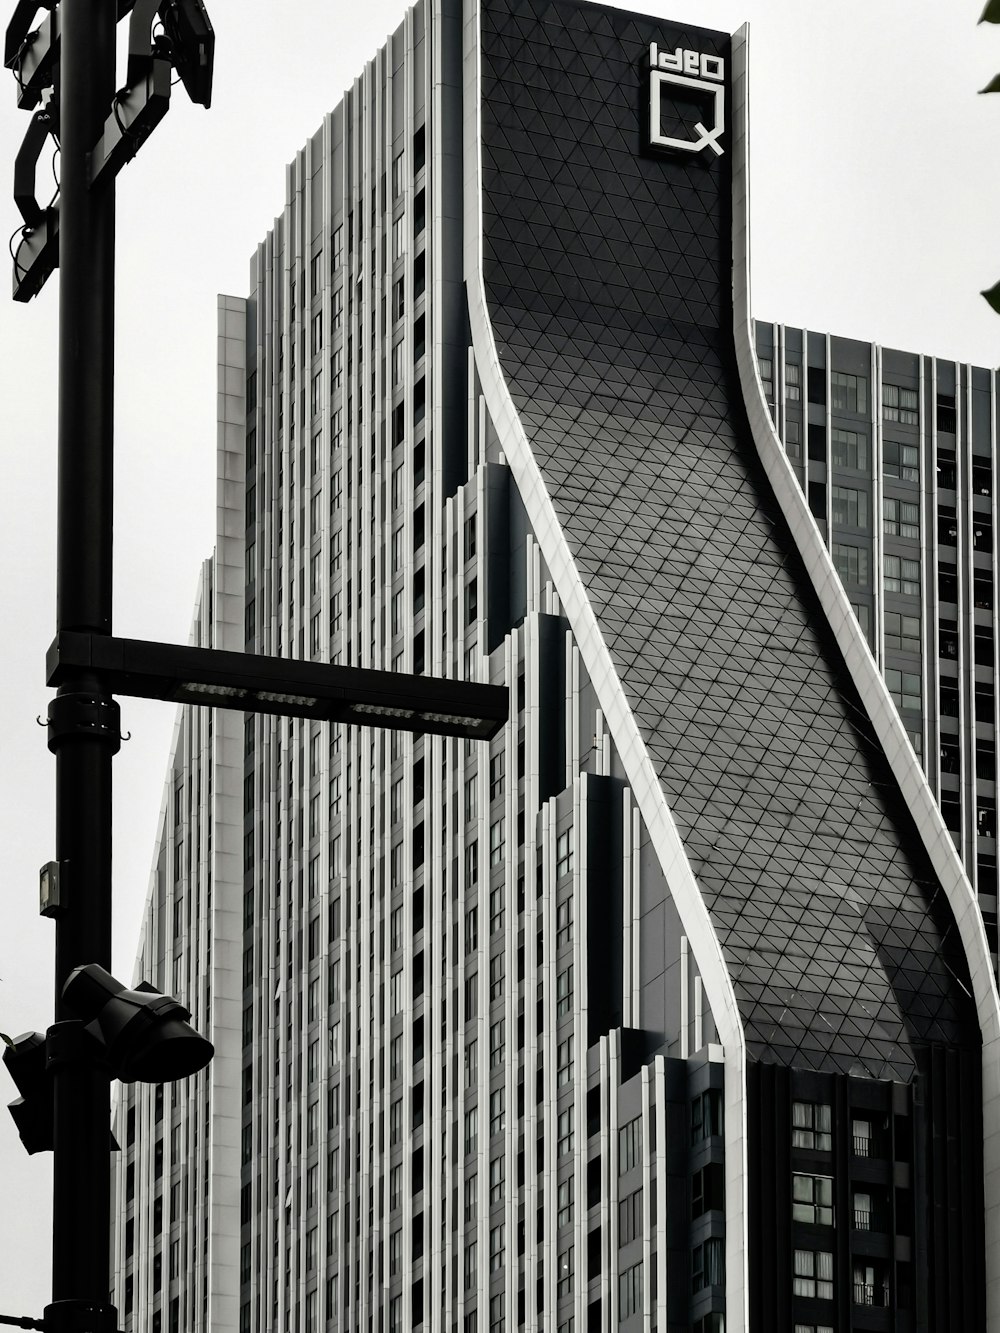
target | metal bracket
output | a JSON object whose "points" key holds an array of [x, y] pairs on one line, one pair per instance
{"points": [[135, 114], [72, 716], [43, 123]]}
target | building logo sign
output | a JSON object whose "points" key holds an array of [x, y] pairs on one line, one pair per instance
{"points": [[687, 100]]}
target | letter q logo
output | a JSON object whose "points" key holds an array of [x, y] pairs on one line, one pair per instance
{"points": [[694, 75]]}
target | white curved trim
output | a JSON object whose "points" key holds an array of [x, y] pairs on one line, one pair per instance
{"points": [[868, 681], [632, 751]]}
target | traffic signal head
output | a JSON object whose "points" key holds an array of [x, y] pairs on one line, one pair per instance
{"points": [[32, 1111], [145, 1035]]}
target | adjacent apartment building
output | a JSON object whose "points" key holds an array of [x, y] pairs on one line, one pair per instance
{"points": [[672, 1007]]}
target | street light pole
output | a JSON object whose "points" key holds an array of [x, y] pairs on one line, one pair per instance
{"points": [[84, 732], [101, 130]]}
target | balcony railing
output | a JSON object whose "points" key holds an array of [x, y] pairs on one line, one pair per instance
{"points": [[870, 1293], [870, 1219], [864, 1147]]}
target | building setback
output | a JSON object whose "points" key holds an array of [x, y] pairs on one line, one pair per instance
{"points": [[672, 1007]]}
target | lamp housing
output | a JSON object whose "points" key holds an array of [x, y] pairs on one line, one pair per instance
{"points": [[192, 46]]}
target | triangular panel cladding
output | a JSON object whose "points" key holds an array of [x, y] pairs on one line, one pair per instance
{"points": [[608, 281]]}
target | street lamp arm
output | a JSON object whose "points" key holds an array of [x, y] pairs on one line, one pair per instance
{"points": [[253, 683]]}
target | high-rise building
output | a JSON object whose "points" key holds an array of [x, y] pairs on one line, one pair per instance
{"points": [[672, 1007], [897, 454]]}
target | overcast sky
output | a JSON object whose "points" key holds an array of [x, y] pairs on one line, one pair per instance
{"points": [[875, 204]]}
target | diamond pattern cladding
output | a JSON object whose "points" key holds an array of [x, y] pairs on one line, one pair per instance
{"points": [[608, 283]]}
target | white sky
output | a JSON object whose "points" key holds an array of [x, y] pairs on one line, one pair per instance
{"points": [[875, 203]]}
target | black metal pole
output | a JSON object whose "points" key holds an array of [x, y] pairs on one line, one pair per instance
{"points": [[83, 719]]}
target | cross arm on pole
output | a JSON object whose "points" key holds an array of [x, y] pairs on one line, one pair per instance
{"points": [[254, 683]]}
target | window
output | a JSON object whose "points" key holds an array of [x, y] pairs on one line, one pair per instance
{"points": [[564, 1062], [496, 1248], [496, 843], [397, 175], [766, 365], [496, 1180], [496, 976], [472, 930], [811, 1126], [849, 449], [496, 910], [497, 1043], [900, 460], [851, 563], [471, 1197], [564, 992], [497, 1116], [899, 404], [709, 1265], [862, 1211], [630, 1145], [496, 776], [497, 1316], [564, 1285], [850, 507], [630, 1290], [793, 382], [471, 1130], [398, 300], [902, 518], [337, 249], [904, 686], [848, 393], [564, 923], [470, 1265], [813, 1328], [902, 633], [706, 1115], [630, 1217], [398, 237], [565, 1132], [812, 1199], [902, 575], [564, 853], [470, 799], [564, 1203], [471, 1062], [813, 1275]]}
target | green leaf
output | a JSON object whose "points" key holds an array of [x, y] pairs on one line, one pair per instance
{"points": [[991, 14], [5, 1039], [993, 86], [992, 295]]}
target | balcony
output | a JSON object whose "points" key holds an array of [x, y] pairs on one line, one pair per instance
{"points": [[871, 1293], [870, 1219]]}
